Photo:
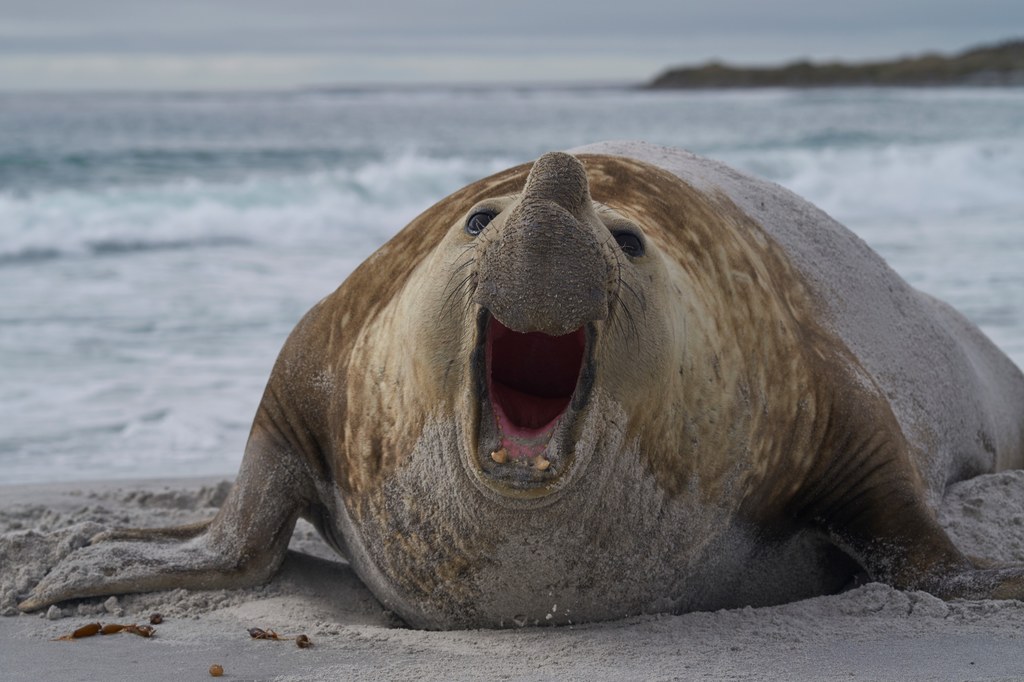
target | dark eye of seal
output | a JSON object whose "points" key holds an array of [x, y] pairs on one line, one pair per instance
{"points": [[630, 243], [477, 222]]}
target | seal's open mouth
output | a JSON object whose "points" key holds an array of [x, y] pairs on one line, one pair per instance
{"points": [[530, 379], [529, 382]]}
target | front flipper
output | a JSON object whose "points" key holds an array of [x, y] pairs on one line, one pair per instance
{"points": [[243, 545], [1006, 582], [870, 500]]}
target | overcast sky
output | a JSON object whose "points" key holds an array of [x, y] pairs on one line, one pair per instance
{"points": [[245, 44]]}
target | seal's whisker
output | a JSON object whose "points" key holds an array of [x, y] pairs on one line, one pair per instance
{"points": [[614, 317], [458, 290], [619, 303], [640, 299], [468, 262], [458, 268], [625, 321], [630, 319], [634, 330]]}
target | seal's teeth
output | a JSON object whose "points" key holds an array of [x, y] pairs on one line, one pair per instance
{"points": [[541, 463], [500, 456]]}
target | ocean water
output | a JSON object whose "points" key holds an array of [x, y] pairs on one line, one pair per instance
{"points": [[155, 250]]}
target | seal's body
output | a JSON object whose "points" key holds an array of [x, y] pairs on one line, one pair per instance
{"points": [[625, 380]]}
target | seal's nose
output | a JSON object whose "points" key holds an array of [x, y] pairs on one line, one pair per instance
{"points": [[560, 178], [544, 270]]}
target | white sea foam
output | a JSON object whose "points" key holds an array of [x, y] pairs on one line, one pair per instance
{"points": [[908, 183], [367, 204]]}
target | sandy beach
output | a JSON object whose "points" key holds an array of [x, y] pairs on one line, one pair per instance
{"points": [[870, 632]]}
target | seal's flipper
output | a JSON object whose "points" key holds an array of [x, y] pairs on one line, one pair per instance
{"points": [[243, 545], [1006, 582], [867, 498]]}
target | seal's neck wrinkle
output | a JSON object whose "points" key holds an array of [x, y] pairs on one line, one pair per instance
{"points": [[560, 178], [542, 267]]}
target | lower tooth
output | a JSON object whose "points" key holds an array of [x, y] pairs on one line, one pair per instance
{"points": [[541, 463], [500, 456]]}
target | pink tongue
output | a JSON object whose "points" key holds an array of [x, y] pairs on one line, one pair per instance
{"points": [[520, 442]]}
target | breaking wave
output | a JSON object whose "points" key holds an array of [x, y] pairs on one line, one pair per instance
{"points": [[366, 203]]}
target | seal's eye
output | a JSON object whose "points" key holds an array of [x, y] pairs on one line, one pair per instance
{"points": [[629, 242], [478, 221]]}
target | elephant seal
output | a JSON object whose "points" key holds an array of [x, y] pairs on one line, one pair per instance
{"points": [[615, 381]]}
